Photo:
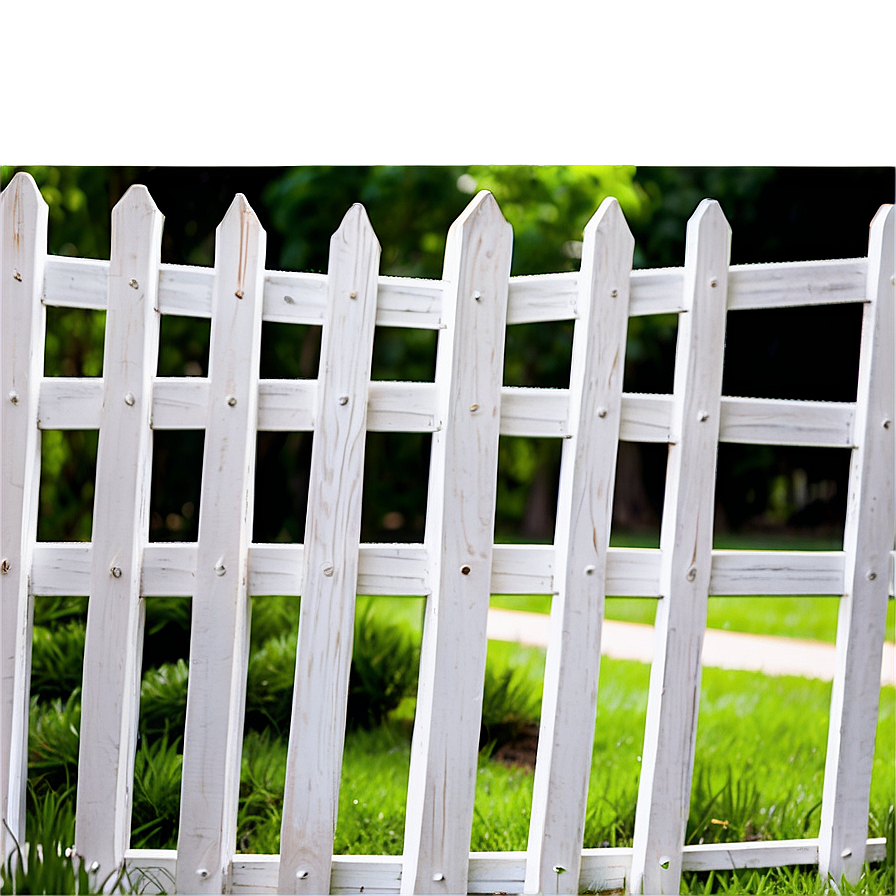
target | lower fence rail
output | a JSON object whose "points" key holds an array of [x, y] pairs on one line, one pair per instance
{"points": [[603, 870]]}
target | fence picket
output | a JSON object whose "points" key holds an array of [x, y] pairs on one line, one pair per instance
{"points": [[686, 545], [868, 540], [220, 627], [330, 562], [23, 240], [459, 538], [584, 510], [115, 610]]}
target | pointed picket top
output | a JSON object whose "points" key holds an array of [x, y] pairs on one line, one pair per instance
{"points": [[24, 210], [482, 204], [482, 211], [23, 189], [355, 226], [707, 217], [609, 218], [136, 198], [240, 216], [881, 231]]}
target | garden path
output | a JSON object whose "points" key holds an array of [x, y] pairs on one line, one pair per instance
{"points": [[722, 649]]}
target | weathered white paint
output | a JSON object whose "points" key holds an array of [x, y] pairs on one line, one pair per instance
{"points": [[23, 248], [220, 624], [459, 533], [584, 513], [330, 561], [459, 536], [114, 642], [686, 546], [867, 541]]}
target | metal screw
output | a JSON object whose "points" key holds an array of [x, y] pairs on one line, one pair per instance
{"points": [[614, 293], [4, 566], [219, 567], [14, 397], [203, 873], [601, 412], [887, 422], [231, 400], [301, 875], [589, 570], [665, 861], [703, 416], [465, 570], [328, 569], [477, 295], [343, 400], [871, 575], [846, 853], [116, 572], [289, 300], [239, 293], [713, 283], [353, 294], [133, 283], [438, 876], [129, 399], [17, 276], [474, 407], [95, 867], [691, 574]]}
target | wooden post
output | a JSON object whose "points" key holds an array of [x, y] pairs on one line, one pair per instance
{"points": [[686, 546], [23, 244], [330, 574], [584, 514], [220, 629], [459, 540], [115, 611], [867, 542]]}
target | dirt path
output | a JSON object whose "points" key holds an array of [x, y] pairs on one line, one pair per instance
{"points": [[722, 649]]}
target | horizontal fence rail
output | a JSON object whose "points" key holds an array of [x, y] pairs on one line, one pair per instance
{"points": [[457, 566]]}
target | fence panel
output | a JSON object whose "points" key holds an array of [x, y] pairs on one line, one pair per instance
{"points": [[466, 409]]}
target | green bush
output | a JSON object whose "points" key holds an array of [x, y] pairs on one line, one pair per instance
{"points": [[57, 658], [384, 668]]}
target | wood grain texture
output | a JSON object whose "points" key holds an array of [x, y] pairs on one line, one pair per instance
{"points": [[330, 561], [114, 640], [219, 640], [867, 542], [584, 512], [23, 247], [459, 538], [686, 551], [410, 302]]}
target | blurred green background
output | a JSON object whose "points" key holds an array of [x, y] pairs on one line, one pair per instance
{"points": [[776, 214]]}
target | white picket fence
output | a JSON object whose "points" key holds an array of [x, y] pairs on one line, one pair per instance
{"points": [[466, 408]]}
